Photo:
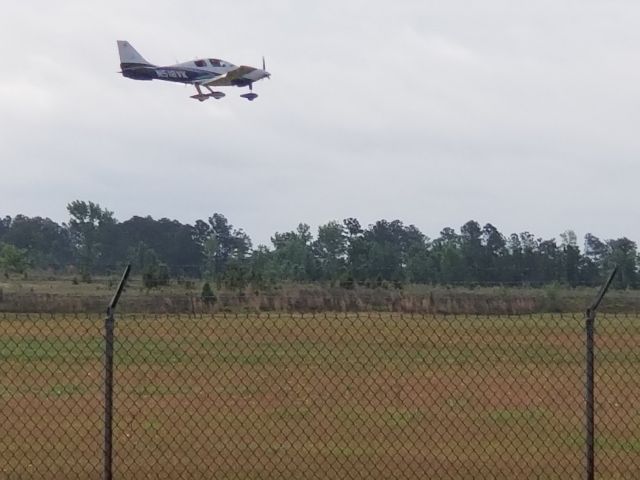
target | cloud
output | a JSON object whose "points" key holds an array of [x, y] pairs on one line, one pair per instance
{"points": [[522, 115]]}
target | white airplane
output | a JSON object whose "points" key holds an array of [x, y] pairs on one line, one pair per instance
{"points": [[207, 73]]}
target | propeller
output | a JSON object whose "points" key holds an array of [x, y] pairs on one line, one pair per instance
{"points": [[264, 68]]}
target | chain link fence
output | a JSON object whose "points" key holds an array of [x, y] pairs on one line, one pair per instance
{"points": [[325, 396]]}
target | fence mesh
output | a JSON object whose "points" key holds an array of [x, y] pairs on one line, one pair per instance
{"points": [[318, 396]]}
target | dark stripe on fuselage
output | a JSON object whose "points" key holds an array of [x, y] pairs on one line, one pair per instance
{"points": [[139, 71]]}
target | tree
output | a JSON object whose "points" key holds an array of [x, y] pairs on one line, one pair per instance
{"points": [[5, 225], [87, 228], [262, 270], [223, 244], [571, 258], [515, 264], [293, 255], [549, 261], [493, 262], [48, 243], [386, 246], [13, 259], [420, 266], [330, 248], [154, 272], [175, 244], [595, 252], [472, 251], [623, 253], [356, 254], [353, 227], [447, 257], [529, 245]]}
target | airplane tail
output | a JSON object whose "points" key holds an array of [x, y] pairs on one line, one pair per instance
{"points": [[129, 56]]}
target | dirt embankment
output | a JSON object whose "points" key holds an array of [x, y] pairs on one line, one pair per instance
{"points": [[316, 299]]}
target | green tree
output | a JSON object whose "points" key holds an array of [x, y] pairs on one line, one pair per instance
{"points": [[293, 255], [571, 258], [145, 260], [549, 261], [5, 225], [387, 245], [87, 227], [13, 259], [330, 248], [447, 256], [471, 251], [262, 269], [494, 256], [48, 243], [223, 244], [529, 248], [515, 263], [357, 253], [623, 253], [595, 252], [174, 243]]}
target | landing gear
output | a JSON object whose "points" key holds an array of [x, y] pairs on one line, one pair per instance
{"points": [[201, 97], [250, 96]]}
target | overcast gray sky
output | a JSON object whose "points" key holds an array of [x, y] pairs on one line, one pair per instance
{"points": [[522, 114]]}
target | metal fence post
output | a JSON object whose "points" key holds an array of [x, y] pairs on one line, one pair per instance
{"points": [[590, 395], [590, 378], [109, 327]]}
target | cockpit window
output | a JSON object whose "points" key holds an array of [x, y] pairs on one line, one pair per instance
{"points": [[215, 62], [200, 63]]}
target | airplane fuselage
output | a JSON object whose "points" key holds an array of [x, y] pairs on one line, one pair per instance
{"points": [[207, 73], [189, 72]]}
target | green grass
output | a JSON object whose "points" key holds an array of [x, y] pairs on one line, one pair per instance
{"points": [[275, 396]]}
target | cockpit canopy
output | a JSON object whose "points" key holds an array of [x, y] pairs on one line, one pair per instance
{"points": [[219, 63], [212, 62]]}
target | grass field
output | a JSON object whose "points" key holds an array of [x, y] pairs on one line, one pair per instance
{"points": [[323, 396], [46, 292]]}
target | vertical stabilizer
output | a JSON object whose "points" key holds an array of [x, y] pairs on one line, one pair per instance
{"points": [[129, 55]]}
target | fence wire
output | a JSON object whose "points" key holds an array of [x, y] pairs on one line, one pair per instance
{"points": [[324, 396]]}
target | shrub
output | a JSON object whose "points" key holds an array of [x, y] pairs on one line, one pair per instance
{"points": [[207, 295]]}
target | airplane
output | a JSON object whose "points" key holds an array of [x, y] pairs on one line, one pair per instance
{"points": [[207, 73]]}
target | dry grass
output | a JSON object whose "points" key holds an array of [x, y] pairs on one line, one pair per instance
{"points": [[290, 396], [41, 292]]}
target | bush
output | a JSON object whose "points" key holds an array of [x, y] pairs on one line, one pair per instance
{"points": [[346, 282], [207, 294], [155, 275]]}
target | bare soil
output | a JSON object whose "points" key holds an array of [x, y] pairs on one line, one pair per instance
{"points": [[317, 396]]}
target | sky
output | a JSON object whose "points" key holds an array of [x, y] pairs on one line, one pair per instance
{"points": [[521, 114]]}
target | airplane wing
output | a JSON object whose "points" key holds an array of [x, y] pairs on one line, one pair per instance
{"points": [[228, 79]]}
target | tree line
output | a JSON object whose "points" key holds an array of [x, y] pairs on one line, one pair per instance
{"points": [[346, 254]]}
